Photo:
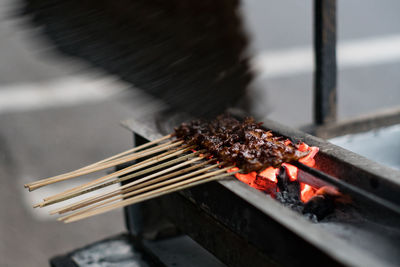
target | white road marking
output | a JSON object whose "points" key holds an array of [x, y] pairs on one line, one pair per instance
{"points": [[56, 93], [350, 54], [271, 64]]}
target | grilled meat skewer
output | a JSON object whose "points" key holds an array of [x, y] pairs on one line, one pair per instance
{"points": [[245, 143]]}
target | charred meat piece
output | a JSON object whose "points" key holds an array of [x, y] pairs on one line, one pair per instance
{"points": [[245, 143]]}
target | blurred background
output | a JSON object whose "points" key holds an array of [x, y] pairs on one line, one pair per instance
{"points": [[57, 113]]}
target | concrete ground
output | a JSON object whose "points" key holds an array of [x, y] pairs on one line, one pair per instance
{"points": [[35, 145], [47, 127]]}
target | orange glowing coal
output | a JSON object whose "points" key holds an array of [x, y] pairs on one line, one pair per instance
{"points": [[267, 180]]}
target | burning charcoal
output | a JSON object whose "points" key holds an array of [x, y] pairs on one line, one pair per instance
{"points": [[258, 153], [320, 205], [283, 179], [265, 185], [290, 190]]}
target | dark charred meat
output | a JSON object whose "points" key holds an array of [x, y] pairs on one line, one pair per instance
{"points": [[245, 143]]}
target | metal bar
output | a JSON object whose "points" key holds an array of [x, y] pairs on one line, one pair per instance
{"points": [[325, 61], [366, 123], [347, 188]]}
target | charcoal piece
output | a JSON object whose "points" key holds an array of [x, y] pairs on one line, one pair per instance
{"points": [[244, 144], [283, 179], [288, 199], [319, 205], [290, 190]]}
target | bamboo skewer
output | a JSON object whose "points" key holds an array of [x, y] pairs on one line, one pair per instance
{"points": [[106, 165], [136, 149], [79, 171], [96, 164], [124, 178], [135, 185], [177, 172], [139, 189], [79, 190], [136, 166], [152, 194], [117, 191], [128, 192], [105, 160]]}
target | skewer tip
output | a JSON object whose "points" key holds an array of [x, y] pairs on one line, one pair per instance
{"points": [[33, 187], [69, 220]]}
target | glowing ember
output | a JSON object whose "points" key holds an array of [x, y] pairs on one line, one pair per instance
{"points": [[265, 180], [270, 173], [306, 192], [309, 159], [247, 178], [334, 193], [291, 171], [268, 177], [284, 185]]}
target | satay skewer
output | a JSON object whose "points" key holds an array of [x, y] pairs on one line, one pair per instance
{"points": [[102, 184], [105, 165], [152, 194], [148, 180], [132, 150], [134, 190], [129, 151], [85, 188], [225, 138], [134, 167]]}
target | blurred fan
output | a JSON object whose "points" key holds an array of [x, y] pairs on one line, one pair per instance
{"points": [[191, 54]]}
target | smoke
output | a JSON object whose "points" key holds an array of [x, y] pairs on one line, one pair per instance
{"points": [[189, 54]]}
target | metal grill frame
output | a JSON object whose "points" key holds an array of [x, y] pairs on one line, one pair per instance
{"points": [[239, 224]]}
